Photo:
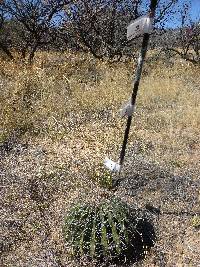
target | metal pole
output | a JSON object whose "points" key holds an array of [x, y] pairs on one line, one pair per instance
{"points": [[137, 81]]}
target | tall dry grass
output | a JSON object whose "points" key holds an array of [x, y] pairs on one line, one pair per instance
{"points": [[74, 96]]}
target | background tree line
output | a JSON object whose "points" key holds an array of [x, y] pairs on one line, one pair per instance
{"points": [[97, 26]]}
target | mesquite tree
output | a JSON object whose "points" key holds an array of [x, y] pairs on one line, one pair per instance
{"points": [[36, 19], [187, 44], [96, 26], [100, 26], [4, 40]]}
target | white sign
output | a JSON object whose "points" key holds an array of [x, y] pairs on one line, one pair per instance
{"points": [[127, 109], [139, 26], [111, 165]]}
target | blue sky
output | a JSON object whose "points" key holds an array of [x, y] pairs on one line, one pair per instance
{"points": [[174, 20], [195, 9], [194, 13]]}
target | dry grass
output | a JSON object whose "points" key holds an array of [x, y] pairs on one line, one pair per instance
{"points": [[59, 119]]}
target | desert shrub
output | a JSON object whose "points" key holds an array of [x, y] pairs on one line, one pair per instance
{"points": [[111, 230]]}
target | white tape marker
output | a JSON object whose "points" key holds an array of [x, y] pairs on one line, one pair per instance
{"points": [[139, 26], [111, 165], [127, 109]]}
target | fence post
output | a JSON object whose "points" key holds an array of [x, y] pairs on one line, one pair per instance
{"points": [[137, 81]]}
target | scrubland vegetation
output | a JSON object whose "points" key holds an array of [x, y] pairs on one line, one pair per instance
{"points": [[60, 118], [66, 69]]}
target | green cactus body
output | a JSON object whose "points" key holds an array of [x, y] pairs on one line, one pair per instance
{"points": [[93, 239], [115, 235], [103, 232], [106, 230]]}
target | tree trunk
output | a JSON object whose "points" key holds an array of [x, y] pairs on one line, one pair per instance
{"points": [[32, 54], [5, 49]]}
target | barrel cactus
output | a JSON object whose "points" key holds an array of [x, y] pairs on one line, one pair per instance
{"points": [[109, 230]]}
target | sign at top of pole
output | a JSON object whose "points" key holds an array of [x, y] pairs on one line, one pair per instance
{"points": [[140, 26]]}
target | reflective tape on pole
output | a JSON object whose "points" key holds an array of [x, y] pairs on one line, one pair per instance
{"points": [[127, 110], [139, 26], [111, 165]]}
